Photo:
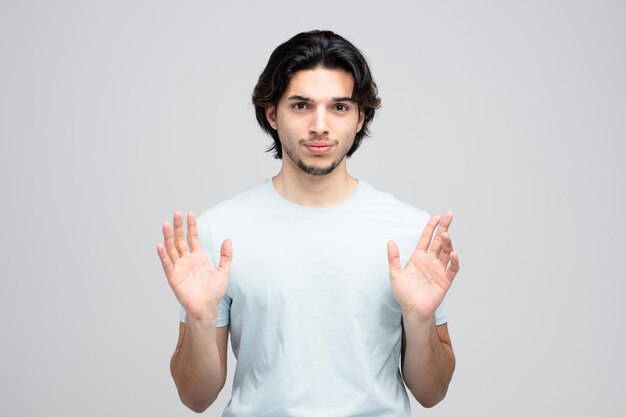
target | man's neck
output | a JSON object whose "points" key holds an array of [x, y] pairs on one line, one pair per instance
{"points": [[315, 190]]}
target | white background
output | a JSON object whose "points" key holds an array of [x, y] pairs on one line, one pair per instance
{"points": [[116, 113]]}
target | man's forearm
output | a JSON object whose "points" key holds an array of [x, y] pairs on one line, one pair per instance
{"points": [[196, 365], [428, 362]]}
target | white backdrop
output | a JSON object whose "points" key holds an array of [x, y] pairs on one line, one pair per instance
{"points": [[116, 113]]}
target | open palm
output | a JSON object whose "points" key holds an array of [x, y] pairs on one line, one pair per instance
{"points": [[198, 285], [421, 285]]}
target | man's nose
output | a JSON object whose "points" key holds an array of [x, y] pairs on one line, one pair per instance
{"points": [[319, 122]]}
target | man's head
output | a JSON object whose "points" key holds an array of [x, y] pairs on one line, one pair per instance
{"points": [[313, 51]]}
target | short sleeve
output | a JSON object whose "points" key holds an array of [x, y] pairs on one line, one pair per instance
{"points": [[209, 248]]}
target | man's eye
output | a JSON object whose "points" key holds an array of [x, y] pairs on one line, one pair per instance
{"points": [[342, 107], [299, 106]]}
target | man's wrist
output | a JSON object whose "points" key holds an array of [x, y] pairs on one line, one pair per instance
{"points": [[206, 319], [414, 318]]}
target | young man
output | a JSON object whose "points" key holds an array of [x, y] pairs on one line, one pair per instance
{"points": [[318, 311]]}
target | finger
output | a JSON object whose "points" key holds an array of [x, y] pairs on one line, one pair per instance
{"points": [[393, 255], [444, 224], [167, 265], [179, 234], [192, 232], [226, 256], [446, 248], [427, 234], [168, 240], [454, 266]]}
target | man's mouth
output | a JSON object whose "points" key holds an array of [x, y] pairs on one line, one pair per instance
{"points": [[319, 147]]}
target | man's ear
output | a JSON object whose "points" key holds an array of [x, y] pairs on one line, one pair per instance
{"points": [[270, 115], [361, 120]]}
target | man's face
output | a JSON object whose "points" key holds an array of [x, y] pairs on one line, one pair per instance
{"points": [[316, 120]]}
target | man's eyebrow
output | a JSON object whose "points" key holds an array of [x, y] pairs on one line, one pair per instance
{"points": [[336, 99], [297, 97], [303, 98]]}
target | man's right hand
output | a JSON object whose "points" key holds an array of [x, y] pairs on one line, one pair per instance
{"points": [[198, 285]]}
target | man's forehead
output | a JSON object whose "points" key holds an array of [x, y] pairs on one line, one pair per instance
{"points": [[320, 83]]}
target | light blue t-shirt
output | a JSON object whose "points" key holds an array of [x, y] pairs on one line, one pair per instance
{"points": [[314, 324]]}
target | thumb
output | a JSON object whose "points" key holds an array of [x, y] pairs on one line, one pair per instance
{"points": [[393, 255], [226, 256]]}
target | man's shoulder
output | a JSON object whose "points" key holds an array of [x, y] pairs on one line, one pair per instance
{"points": [[247, 200], [391, 218], [393, 206]]}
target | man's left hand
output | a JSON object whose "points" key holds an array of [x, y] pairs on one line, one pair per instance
{"points": [[421, 285]]}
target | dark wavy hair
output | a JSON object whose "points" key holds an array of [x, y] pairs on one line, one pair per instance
{"points": [[308, 50]]}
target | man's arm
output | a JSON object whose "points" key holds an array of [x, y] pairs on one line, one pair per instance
{"points": [[199, 362], [419, 288], [198, 365], [427, 359]]}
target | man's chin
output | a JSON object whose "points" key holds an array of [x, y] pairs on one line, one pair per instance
{"points": [[317, 170]]}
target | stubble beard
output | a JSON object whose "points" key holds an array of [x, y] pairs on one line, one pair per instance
{"points": [[312, 169]]}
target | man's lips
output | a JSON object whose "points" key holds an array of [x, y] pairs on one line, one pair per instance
{"points": [[318, 147]]}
